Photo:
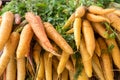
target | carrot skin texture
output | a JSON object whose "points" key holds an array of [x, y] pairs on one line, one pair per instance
{"points": [[88, 34], [24, 43], [99, 10], [63, 60], [11, 69], [86, 58], [21, 70], [38, 29], [96, 18], [8, 51], [77, 31], [100, 29], [105, 58], [80, 12], [115, 52], [6, 28], [61, 42], [115, 21]]}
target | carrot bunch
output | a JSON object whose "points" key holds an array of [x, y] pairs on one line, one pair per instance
{"points": [[34, 49]]}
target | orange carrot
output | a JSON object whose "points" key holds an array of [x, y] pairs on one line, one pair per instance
{"points": [[8, 51], [57, 38], [24, 43], [6, 28], [97, 48], [38, 29], [70, 31]]}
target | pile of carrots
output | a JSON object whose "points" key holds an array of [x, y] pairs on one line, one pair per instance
{"points": [[35, 50]]}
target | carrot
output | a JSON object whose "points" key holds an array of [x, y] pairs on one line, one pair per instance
{"points": [[97, 48], [71, 75], [115, 52], [24, 43], [41, 69], [88, 34], [30, 69], [36, 53], [117, 12], [98, 71], [99, 10], [77, 31], [38, 29], [55, 75], [69, 66], [63, 60], [65, 74], [114, 19], [80, 12], [48, 66], [100, 29], [69, 21], [57, 38], [11, 69], [96, 60], [8, 51], [97, 18], [55, 62], [70, 31], [86, 58], [6, 28], [82, 75], [21, 70], [106, 62]]}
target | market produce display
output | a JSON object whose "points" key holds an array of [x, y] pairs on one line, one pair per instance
{"points": [[60, 40]]}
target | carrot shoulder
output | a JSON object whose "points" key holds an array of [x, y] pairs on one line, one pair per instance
{"points": [[38, 29], [6, 28]]}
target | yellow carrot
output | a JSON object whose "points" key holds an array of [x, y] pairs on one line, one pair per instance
{"points": [[21, 70], [63, 60], [106, 62], [82, 75], [70, 31], [6, 28], [98, 71], [36, 54], [55, 75], [117, 12], [11, 69], [65, 74], [69, 21], [80, 12], [24, 43], [41, 69], [115, 52], [77, 31], [97, 18], [86, 59], [100, 29], [88, 34], [97, 48], [99, 10], [57, 38], [114, 19], [48, 66], [8, 50]]}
